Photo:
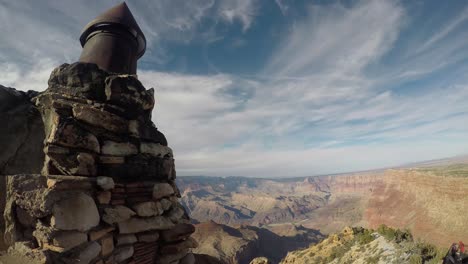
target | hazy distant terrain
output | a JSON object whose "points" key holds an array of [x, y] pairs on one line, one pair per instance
{"points": [[428, 198]]}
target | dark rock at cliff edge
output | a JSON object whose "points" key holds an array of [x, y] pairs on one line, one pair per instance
{"points": [[21, 137]]}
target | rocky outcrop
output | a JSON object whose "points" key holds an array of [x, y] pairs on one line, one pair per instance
{"points": [[21, 134], [359, 245], [21, 138], [106, 192]]}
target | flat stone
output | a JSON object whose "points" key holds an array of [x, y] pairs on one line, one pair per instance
{"points": [[177, 233], [88, 253], [73, 164], [148, 237], [118, 148], [161, 190], [59, 182], [100, 118], [111, 160], [69, 239], [97, 234], [78, 212], [141, 167], [156, 150], [146, 131], [133, 127], [126, 239], [104, 197], [69, 134], [53, 248], [165, 204], [188, 259], [107, 245], [128, 92], [148, 208], [176, 214], [137, 225], [123, 253], [56, 149], [106, 183], [84, 80], [117, 214]]}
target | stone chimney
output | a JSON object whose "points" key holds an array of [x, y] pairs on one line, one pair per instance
{"points": [[107, 191]]}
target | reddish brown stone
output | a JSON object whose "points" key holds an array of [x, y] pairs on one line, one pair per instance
{"points": [[97, 234], [117, 202], [118, 189], [145, 189], [107, 245], [133, 200], [139, 185], [119, 196], [104, 197]]}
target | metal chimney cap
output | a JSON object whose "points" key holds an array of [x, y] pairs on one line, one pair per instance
{"points": [[121, 16]]}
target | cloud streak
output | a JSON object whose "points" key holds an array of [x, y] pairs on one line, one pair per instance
{"points": [[327, 100]]}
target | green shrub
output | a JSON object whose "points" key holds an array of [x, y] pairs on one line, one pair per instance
{"points": [[415, 259], [394, 234], [365, 237], [372, 260]]}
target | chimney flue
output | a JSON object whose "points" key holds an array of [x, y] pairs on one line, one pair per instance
{"points": [[113, 41]]}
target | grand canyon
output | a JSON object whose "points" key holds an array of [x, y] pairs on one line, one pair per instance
{"points": [[429, 199], [337, 115]]}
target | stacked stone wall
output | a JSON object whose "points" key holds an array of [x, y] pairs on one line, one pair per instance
{"points": [[107, 191]]}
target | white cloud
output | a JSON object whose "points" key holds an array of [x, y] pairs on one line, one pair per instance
{"points": [[49, 30], [320, 109], [333, 39], [242, 10], [447, 29], [34, 78], [282, 6]]}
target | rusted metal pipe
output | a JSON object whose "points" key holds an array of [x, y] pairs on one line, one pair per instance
{"points": [[113, 41]]}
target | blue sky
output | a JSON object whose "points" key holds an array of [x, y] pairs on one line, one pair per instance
{"points": [[276, 88]]}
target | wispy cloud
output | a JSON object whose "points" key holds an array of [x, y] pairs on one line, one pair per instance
{"points": [[282, 6], [327, 100]]}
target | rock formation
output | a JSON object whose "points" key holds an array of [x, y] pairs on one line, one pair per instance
{"points": [[96, 124], [106, 192], [431, 201], [21, 138], [359, 245]]}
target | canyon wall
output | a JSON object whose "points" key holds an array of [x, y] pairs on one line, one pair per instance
{"points": [[433, 207]]}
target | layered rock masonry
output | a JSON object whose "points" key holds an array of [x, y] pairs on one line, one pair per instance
{"points": [[106, 193]]}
